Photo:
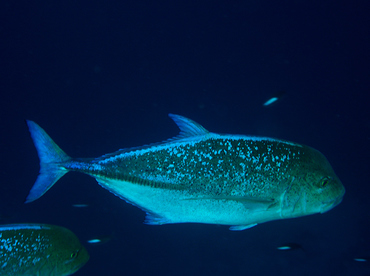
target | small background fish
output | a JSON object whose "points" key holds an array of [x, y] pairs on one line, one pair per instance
{"points": [[274, 98], [203, 177]]}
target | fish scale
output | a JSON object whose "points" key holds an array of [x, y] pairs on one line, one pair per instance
{"points": [[204, 177], [213, 160]]}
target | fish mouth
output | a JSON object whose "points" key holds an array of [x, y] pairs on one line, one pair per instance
{"points": [[330, 204], [77, 267]]}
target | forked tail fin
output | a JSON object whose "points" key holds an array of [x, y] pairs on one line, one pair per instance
{"points": [[51, 158]]}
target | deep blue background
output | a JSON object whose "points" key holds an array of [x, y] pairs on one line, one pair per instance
{"points": [[103, 75]]}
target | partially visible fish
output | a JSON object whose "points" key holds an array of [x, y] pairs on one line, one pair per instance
{"points": [[39, 249], [204, 177]]}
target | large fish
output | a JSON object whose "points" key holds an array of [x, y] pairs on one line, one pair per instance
{"points": [[39, 249], [204, 177]]}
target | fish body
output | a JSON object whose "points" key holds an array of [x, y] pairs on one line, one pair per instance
{"points": [[39, 249], [204, 177]]}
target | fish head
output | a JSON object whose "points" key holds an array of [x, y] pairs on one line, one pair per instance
{"points": [[64, 263], [73, 261], [66, 254], [314, 188], [324, 193]]}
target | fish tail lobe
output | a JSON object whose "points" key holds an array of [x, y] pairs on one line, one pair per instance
{"points": [[51, 158]]}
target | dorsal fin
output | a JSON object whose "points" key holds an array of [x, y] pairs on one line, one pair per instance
{"points": [[188, 128]]}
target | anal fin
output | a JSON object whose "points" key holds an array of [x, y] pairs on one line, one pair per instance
{"points": [[154, 219], [241, 227]]}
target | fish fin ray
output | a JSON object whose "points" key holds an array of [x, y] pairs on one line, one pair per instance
{"points": [[106, 185], [154, 219], [188, 128], [151, 217], [51, 160], [242, 227]]}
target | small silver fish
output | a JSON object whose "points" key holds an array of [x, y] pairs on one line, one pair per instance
{"points": [[100, 240], [39, 249], [361, 259], [204, 177], [94, 241], [274, 98], [290, 246], [80, 205]]}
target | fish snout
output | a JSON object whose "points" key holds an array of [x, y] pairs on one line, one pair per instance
{"points": [[331, 204], [337, 193]]}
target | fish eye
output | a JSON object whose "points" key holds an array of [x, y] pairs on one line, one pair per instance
{"points": [[73, 255], [325, 181]]}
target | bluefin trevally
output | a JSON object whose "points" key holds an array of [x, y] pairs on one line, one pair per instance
{"points": [[39, 249], [204, 177]]}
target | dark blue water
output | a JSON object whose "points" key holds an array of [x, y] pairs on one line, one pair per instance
{"points": [[103, 75]]}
